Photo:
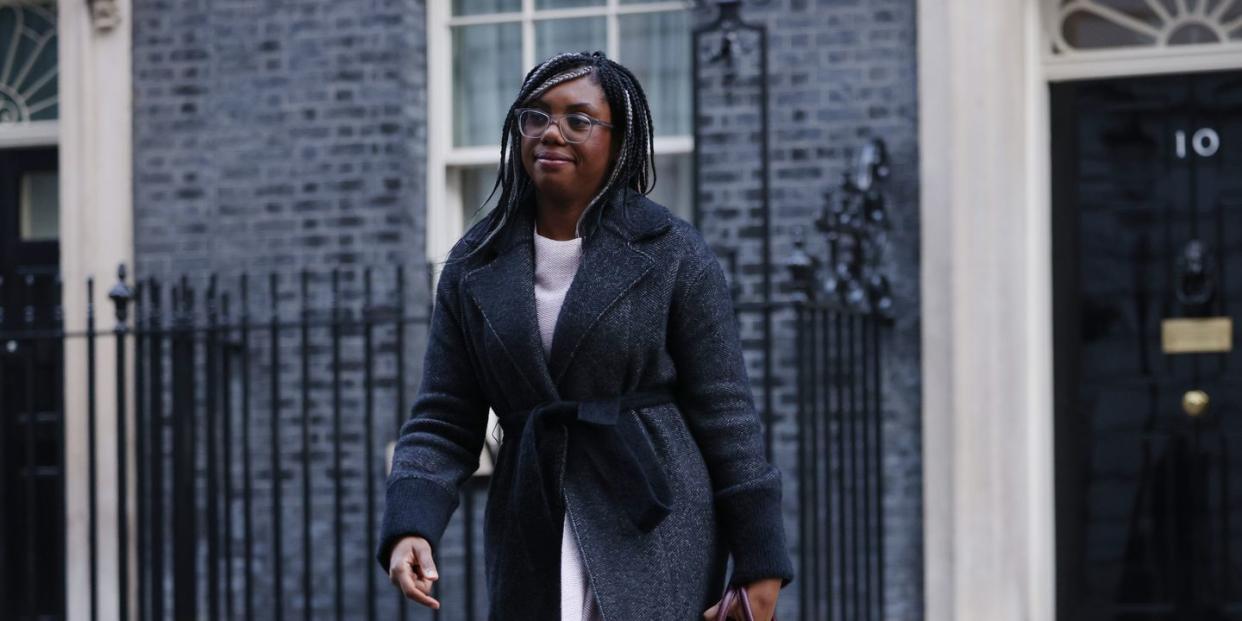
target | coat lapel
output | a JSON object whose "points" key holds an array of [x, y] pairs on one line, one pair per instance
{"points": [[504, 288], [504, 291], [610, 267]]}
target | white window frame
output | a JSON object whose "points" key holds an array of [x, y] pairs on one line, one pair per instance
{"points": [[29, 134], [1062, 61], [94, 133], [445, 211]]}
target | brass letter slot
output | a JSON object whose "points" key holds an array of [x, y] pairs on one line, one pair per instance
{"points": [[1197, 336]]}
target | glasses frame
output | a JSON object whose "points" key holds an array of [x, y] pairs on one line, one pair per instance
{"points": [[557, 119]]}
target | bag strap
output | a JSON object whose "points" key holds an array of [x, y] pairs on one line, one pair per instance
{"points": [[726, 603]]}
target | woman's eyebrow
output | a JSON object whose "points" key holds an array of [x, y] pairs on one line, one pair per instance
{"points": [[582, 105]]}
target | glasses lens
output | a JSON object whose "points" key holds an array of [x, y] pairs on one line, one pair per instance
{"points": [[532, 123], [577, 127]]}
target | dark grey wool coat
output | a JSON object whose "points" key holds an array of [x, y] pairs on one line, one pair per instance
{"points": [[649, 308]]}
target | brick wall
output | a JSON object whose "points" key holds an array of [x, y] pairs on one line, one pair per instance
{"points": [[840, 72], [272, 137]]}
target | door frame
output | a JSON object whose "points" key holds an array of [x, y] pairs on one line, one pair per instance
{"points": [[96, 235], [986, 290]]}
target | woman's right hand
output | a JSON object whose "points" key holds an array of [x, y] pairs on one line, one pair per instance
{"points": [[412, 570]]}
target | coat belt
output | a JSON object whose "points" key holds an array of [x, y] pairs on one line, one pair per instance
{"points": [[615, 449]]}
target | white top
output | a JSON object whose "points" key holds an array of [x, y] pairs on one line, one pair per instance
{"points": [[556, 262]]}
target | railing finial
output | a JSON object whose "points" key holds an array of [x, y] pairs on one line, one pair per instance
{"points": [[121, 294], [802, 266]]}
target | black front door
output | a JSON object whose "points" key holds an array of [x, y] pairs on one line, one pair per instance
{"points": [[1147, 269], [31, 414]]}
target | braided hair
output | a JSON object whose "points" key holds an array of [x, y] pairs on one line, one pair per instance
{"points": [[635, 163]]}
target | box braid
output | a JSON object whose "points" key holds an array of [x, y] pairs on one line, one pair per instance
{"points": [[635, 164]]}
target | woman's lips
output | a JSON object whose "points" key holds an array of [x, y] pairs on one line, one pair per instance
{"points": [[551, 161]]}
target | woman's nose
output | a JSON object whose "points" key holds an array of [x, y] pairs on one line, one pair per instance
{"points": [[548, 131]]}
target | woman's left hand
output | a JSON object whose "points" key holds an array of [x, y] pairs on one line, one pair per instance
{"points": [[763, 594]]}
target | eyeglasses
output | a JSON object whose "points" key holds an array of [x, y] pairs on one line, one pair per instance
{"points": [[575, 126]]}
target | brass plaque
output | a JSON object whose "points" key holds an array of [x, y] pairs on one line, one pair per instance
{"points": [[1197, 336]]}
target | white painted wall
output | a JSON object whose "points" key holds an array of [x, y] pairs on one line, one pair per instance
{"points": [[986, 298], [96, 234]]}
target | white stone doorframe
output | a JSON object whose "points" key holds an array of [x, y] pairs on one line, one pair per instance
{"points": [[986, 280], [96, 235]]}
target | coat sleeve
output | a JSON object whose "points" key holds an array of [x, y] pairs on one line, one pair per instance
{"points": [[713, 392], [438, 447]]}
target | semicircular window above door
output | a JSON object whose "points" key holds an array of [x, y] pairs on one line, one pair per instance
{"points": [[1077, 26], [28, 62]]}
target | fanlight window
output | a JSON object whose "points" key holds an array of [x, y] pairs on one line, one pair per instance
{"points": [[28, 90], [1081, 25]]}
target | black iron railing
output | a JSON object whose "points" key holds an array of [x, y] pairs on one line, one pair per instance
{"points": [[844, 305], [228, 389], [214, 531], [840, 482], [212, 371]]}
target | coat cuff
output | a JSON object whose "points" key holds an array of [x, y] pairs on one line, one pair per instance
{"points": [[414, 506], [756, 536]]}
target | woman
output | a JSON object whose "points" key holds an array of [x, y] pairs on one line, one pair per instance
{"points": [[600, 329]]}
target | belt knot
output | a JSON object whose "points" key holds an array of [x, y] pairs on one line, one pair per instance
{"points": [[616, 449]]}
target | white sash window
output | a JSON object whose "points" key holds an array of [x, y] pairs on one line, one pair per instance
{"points": [[478, 53]]}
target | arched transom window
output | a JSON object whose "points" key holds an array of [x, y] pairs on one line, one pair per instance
{"points": [[28, 89], [1089, 25]]}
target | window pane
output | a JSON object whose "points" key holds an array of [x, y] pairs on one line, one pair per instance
{"points": [[566, 4], [486, 71], [40, 206], [1085, 30], [656, 47], [29, 46], [554, 36], [478, 7], [673, 184], [476, 184]]}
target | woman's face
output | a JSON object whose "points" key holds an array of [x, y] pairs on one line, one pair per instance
{"points": [[567, 171]]}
